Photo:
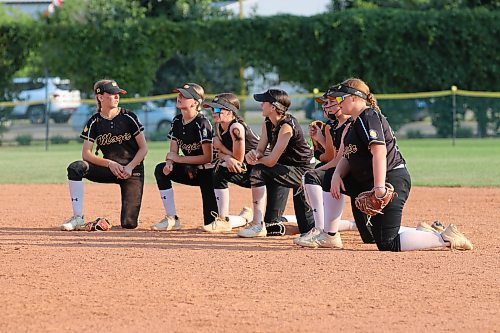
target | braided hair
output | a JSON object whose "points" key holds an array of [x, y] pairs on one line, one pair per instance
{"points": [[363, 87]]}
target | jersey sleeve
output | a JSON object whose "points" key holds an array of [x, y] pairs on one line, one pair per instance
{"points": [[89, 132], [372, 131], [206, 130], [137, 127]]}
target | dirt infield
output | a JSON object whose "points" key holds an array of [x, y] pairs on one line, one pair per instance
{"points": [[188, 281]]}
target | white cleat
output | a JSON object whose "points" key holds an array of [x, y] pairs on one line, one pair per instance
{"points": [[75, 223], [167, 223]]}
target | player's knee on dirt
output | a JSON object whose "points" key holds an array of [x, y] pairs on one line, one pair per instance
{"points": [[393, 246], [311, 178], [257, 176], [77, 170]]}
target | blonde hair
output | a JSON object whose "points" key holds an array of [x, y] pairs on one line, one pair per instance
{"points": [[98, 83], [363, 87]]}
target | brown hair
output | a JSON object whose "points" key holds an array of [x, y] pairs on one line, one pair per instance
{"points": [[281, 97], [363, 87], [231, 98], [98, 83], [199, 89]]}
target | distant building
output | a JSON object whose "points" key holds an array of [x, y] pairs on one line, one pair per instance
{"points": [[33, 7], [275, 7]]}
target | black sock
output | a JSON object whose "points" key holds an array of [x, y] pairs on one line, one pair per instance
{"points": [[332, 233]]}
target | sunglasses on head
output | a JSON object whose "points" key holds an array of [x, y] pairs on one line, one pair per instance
{"points": [[216, 110]]}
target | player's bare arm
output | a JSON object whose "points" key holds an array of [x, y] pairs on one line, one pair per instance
{"points": [[379, 163], [253, 155], [284, 136], [329, 153]]}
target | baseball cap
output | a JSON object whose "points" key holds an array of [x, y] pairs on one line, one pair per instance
{"points": [[340, 89], [189, 91], [322, 99], [221, 103], [268, 97], [110, 87]]}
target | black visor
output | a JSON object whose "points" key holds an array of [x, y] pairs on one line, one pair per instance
{"points": [[341, 90]]}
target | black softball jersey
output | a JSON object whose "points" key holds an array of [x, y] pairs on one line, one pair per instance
{"points": [[251, 139], [191, 135], [370, 128], [298, 152], [114, 137], [336, 133]]}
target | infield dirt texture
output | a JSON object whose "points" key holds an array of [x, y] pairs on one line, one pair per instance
{"points": [[190, 281]]}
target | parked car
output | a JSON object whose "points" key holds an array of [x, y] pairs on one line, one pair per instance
{"points": [[156, 117], [63, 100]]}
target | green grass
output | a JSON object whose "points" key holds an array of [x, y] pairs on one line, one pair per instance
{"points": [[432, 162]]}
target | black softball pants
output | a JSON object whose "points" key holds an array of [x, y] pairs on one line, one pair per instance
{"points": [[385, 227], [190, 175], [274, 208], [290, 177], [131, 188]]}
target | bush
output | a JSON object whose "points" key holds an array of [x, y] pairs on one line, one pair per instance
{"points": [[464, 132], [414, 134], [58, 139], [24, 140], [158, 136]]}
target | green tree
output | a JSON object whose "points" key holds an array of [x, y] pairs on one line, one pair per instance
{"points": [[89, 40], [182, 10], [338, 5], [15, 40]]}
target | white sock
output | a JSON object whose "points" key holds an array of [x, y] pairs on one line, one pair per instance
{"points": [[418, 240], [76, 193], [345, 225], [333, 211], [290, 218], [167, 197], [403, 229], [222, 197], [259, 198], [314, 194], [236, 221]]}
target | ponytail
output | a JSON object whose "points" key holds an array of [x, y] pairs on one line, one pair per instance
{"points": [[372, 101]]}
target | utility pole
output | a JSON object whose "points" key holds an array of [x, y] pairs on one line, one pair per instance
{"points": [[242, 67]]}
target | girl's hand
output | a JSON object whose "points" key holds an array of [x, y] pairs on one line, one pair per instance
{"points": [[233, 165], [117, 169], [169, 166], [127, 171], [336, 185]]}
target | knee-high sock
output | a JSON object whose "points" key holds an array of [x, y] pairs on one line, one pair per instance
{"points": [[314, 194], [222, 197], [333, 211], [76, 193], [418, 240], [167, 197], [259, 198], [345, 225]]}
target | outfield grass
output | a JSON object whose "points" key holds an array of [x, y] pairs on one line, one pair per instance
{"points": [[432, 162]]}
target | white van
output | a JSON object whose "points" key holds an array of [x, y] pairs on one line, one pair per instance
{"points": [[63, 100]]}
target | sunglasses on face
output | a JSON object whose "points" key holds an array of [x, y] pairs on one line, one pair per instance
{"points": [[340, 99]]}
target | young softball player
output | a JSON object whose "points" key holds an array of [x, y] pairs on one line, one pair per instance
{"points": [[118, 134], [192, 134], [233, 140], [289, 159], [317, 181], [371, 159]]}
